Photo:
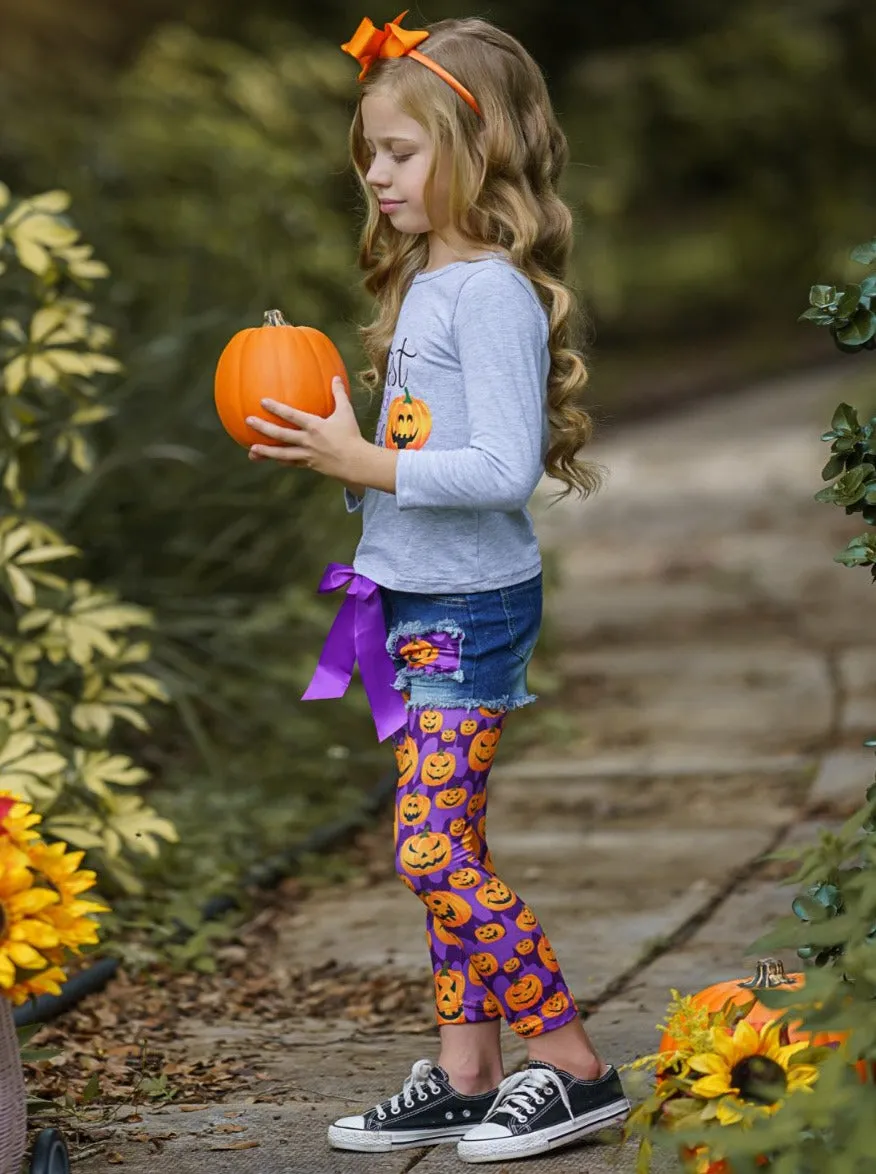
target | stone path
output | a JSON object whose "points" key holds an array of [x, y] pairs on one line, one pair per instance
{"points": [[707, 637]]}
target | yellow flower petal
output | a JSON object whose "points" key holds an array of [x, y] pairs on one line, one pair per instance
{"points": [[712, 1086], [709, 1064], [37, 933], [25, 956], [725, 1045], [727, 1112]]}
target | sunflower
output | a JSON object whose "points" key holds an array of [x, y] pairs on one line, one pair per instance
{"points": [[17, 819], [748, 1068], [22, 933]]}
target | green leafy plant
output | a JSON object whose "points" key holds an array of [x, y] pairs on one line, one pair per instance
{"points": [[73, 663]]}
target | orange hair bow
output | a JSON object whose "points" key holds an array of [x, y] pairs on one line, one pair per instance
{"points": [[368, 43]]}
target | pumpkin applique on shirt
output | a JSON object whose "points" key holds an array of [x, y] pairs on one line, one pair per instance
{"points": [[408, 422]]}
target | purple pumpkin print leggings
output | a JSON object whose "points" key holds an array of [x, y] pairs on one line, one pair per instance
{"points": [[490, 956]]}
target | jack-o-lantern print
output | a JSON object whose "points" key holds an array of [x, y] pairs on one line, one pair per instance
{"points": [[445, 935], [555, 1005], [464, 878], [457, 827], [437, 768], [448, 735], [511, 965], [547, 955], [470, 842], [468, 726], [419, 653], [495, 894], [452, 797], [431, 721], [448, 908], [408, 422], [413, 809], [526, 919], [484, 963], [425, 852], [476, 802], [525, 946], [491, 1006], [449, 989], [491, 932], [524, 992], [482, 750], [406, 756], [529, 1026]]}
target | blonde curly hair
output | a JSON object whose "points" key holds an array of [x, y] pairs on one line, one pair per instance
{"points": [[505, 168]]}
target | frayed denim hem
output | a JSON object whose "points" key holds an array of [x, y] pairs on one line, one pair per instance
{"points": [[404, 677], [469, 703]]}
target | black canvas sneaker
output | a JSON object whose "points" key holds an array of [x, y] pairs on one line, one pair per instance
{"points": [[427, 1111], [543, 1108]]}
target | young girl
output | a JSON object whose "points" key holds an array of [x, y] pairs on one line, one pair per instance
{"points": [[465, 248]]}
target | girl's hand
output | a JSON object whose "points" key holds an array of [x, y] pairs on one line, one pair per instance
{"points": [[326, 445]]}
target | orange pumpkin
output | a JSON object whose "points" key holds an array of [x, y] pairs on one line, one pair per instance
{"points": [[448, 735], [482, 750], [476, 803], [457, 827], [448, 908], [291, 364], [418, 653], [489, 712], [491, 1007], [408, 422], [488, 858], [409, 884], [464, 878], [547, 955], [449, 989], [431, 721], [769, 973], [484, 963], [437, 768], [452, 797], [511, 965], [491, 932], [414, 809], [526, 919], [406, 757], [468, 726], [529, 1026], [425, 852], [524, 993], [471, 843], [495, 894], [555, 1005], [525, 946], [444, 935]]}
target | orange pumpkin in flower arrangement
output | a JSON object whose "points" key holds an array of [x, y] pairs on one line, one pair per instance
{"points": [[291, 364]]}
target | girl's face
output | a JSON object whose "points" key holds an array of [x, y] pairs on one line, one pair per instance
{"points": [[401, 155]]}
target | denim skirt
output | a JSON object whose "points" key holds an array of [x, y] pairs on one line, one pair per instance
{"points": [[464, 651]]}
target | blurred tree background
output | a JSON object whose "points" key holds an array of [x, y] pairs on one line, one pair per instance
{"points": [[721, 155]]}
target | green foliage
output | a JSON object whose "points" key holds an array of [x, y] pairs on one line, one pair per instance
{"points": [[848, 312], [72, 664]]}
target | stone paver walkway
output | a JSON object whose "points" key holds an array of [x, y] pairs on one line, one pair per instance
{"points": [[707, 637]]}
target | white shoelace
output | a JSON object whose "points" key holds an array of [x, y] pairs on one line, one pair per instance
{"points": [[520, 1093], [414, 1085]]}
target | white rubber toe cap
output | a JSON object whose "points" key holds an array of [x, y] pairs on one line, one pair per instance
{"points": [[487, 1132], [350, 1123]]}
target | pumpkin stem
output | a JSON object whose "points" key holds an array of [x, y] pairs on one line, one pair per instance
{"points": [[275, 318], [407, 399], [768, 972]]}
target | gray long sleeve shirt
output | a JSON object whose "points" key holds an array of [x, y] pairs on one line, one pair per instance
{"points": [[465, 406]]}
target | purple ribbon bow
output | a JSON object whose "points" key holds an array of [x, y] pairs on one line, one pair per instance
{"points": [[358, 634]]}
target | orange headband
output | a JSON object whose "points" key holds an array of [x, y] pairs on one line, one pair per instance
{"points": [[368, 43]]}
